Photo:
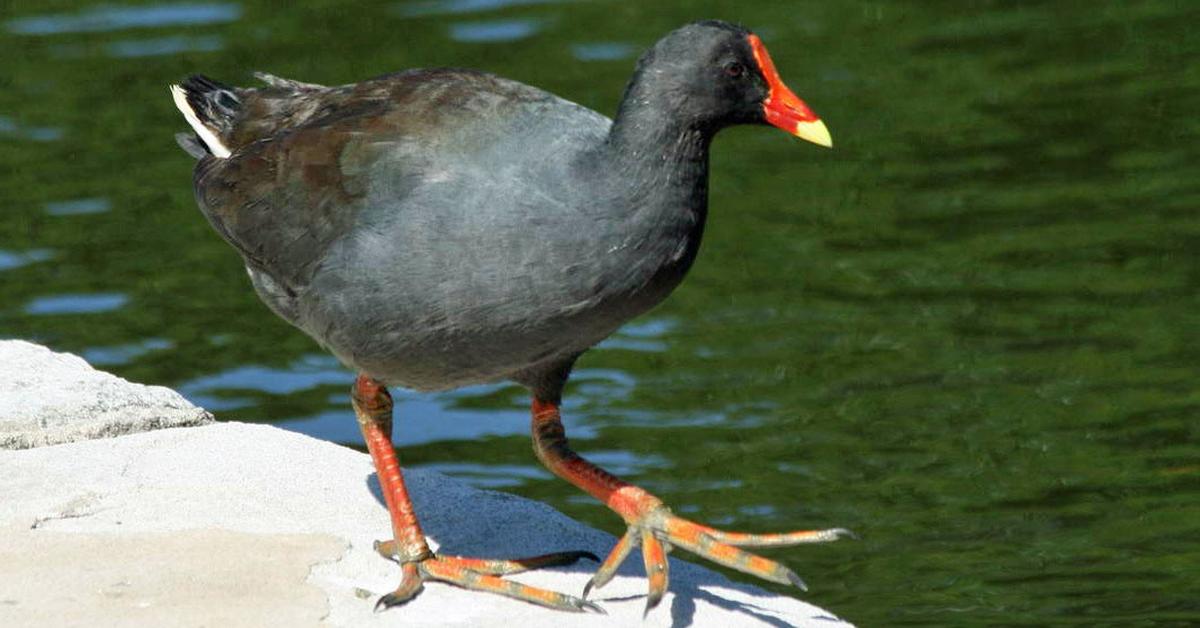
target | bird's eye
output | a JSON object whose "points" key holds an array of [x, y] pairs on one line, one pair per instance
{"points": [[735, 69]]}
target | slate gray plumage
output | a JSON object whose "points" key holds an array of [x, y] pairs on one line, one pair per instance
{"points": [[438, 228]]}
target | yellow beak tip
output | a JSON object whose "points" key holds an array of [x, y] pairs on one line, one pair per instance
{"points": [[814, 132]]}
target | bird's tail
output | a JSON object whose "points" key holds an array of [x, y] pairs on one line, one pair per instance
{"points": [[211, 109]]}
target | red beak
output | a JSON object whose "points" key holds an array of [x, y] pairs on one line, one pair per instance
{"points": [[783, 108]]}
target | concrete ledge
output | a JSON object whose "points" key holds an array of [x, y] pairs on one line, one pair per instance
{"points": [[234, 524], [48, 398]]}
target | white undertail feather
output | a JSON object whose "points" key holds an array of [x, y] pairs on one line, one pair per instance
{"points": [[209, 138]]}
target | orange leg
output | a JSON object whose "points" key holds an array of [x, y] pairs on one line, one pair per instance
{"points": [[373, 407], [651, 523]]}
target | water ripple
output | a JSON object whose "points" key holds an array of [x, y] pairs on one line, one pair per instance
{"points": [[493, 31], [14, 259], [603, 51], [159, 46], [272, 380], [76, 303], [10, 128], [100, 19], [453, 7], [124, 354], [78, 206]]}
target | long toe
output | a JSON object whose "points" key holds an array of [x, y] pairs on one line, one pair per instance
{"points": [[496, 567], [696, 539], [784, 539], [654, 555], [608, 568], [451, 571]]}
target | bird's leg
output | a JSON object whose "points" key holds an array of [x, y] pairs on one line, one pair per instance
{"points": [[651, 523], [373, 408]]}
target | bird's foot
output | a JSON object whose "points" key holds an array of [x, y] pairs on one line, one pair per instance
{"points": [[657, 530], [481, 574]]}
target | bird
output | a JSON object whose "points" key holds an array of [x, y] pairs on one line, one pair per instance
{"points": [[438, 228]]}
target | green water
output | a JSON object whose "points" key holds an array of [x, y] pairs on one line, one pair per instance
{"points": [[968, 332]]}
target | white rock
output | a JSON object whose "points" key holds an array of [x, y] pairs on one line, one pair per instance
{"points": [[48, 398], [233, 524]]}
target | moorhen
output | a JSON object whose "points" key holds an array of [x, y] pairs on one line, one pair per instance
{"points": [[438, 228]]}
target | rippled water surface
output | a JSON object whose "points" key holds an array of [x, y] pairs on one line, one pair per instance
{"points": [[969, 333]]}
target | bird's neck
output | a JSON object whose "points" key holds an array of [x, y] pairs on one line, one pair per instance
{"points": [[657, 158], [650, 179], [652, 143]]}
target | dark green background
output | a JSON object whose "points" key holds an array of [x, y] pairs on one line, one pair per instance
{"points": [[968, 332]]}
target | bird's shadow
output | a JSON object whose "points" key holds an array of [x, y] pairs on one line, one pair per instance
{"points": [[481, 523]]}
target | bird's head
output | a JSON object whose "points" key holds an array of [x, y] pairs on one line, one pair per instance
{"points": [[718, 74]]}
